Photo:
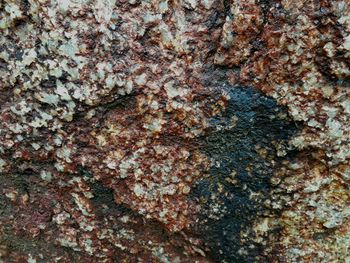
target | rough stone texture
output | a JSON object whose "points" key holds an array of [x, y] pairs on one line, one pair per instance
{"points": [[174, 131]]}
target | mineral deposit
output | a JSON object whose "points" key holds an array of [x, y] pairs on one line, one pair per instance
{"points": [[174, 131]]}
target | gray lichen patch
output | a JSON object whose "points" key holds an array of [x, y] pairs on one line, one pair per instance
{"points": [[122, 141]]}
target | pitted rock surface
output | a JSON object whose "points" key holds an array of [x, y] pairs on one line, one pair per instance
{"points": [[174, 131]]}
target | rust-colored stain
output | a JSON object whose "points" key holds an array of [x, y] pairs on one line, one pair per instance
{"points": [[174, 131]]}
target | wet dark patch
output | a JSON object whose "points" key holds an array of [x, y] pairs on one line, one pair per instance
{"points": [[103, 196], [113, 102], [103, 200], [261, 123], [21, 244]]}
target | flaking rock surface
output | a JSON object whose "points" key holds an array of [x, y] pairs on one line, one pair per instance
{"points": [[174, 131]]}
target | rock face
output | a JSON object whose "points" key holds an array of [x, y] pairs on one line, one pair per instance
{"points": [[174, 131]]}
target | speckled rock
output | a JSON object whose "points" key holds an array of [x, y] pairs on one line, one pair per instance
{"points": [[174, 131]]}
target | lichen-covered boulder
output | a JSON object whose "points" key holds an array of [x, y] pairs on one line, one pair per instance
{"points": [[174, 131]]}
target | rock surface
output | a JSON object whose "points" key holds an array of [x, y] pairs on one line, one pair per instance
{"points": [[174, 131]]}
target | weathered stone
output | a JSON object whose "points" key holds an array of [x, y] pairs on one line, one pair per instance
{"points": [[174, 131]]}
